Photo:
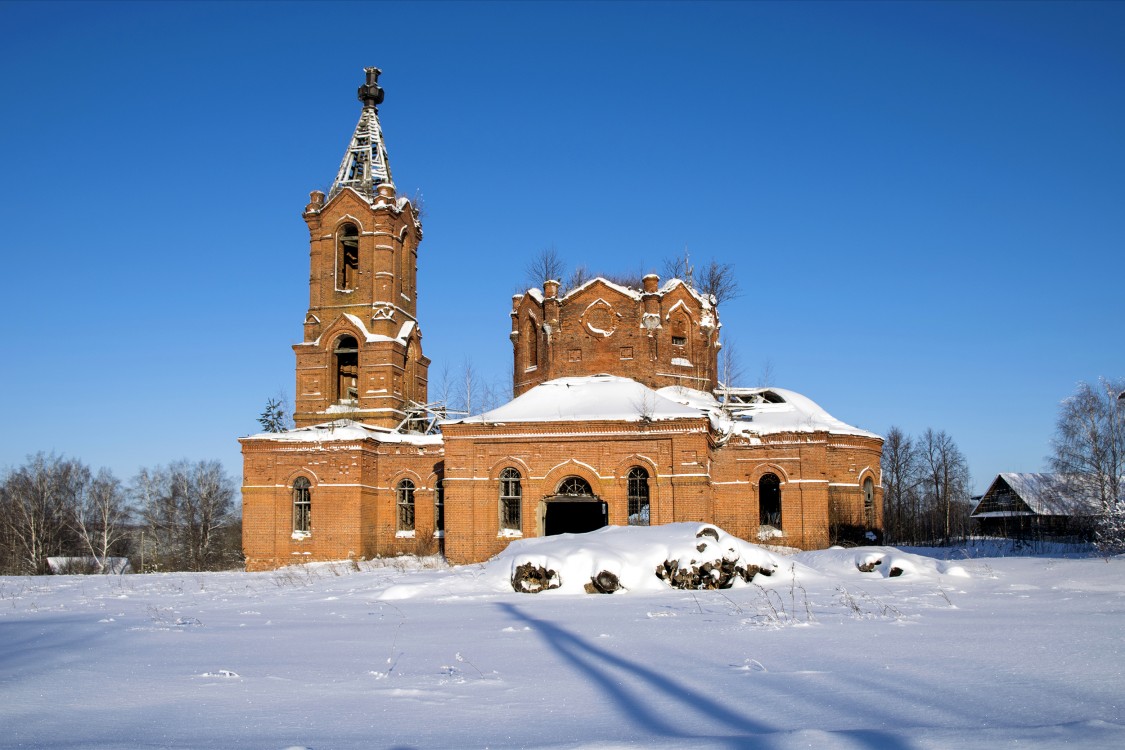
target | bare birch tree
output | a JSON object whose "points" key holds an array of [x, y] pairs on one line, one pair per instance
{"points": [[185, 508], [101, 516], [945, 482], [37, 504], [1089, 443]]}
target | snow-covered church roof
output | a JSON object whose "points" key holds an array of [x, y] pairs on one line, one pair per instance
{"points": [[343, 430], [749, 411], [605, 397]]}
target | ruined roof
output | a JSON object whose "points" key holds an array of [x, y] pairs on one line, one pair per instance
{"points": [[608, 397], [761, 411]]}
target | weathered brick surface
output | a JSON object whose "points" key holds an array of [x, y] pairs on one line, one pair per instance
{"points": [[383, 297], [656, 337]]}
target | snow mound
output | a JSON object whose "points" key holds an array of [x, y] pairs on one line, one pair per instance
{"points": [[687, 555], [887, 562]]}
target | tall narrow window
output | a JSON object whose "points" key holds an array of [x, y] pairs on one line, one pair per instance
{"points": [[302, 506], [347, 256], [439, 505], [346, 355], [869, 502], [531, 343], [637, 491], [769, 501], [404, 495], [510, 498]]}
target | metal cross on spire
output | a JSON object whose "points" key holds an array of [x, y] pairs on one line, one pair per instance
{"points": [[365, 166]]}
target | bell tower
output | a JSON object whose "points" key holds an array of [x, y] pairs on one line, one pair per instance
{"points": [[361, 357]]}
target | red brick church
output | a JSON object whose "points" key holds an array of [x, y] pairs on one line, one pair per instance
{"points": [[618, 416]]}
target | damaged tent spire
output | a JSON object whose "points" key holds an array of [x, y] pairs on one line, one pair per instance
{"points": [[365, 166]]}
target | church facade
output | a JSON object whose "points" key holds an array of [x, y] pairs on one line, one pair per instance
{"points": [[617, 416]]}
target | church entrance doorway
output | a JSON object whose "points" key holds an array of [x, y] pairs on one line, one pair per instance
{"points": [[573, 509]]}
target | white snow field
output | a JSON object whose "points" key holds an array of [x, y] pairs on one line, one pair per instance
{"points": [[978, 653]]}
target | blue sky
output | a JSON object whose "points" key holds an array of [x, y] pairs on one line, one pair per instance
{"points": [[925, 202]]}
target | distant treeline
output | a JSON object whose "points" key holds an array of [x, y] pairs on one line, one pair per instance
{"points": [[177, 517]]}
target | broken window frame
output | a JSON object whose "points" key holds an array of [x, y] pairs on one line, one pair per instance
{"points": [[637, 493], [404, 503], [346, 355], [511, 500], [439, 505], [347, 257], [769, 517]]}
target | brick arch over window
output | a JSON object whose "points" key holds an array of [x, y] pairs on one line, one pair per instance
{"points": [[504, 463], [530, 336], [769, 501], [572, 468], [301, 493]]}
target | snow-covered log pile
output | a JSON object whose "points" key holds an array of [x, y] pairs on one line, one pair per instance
{"points": [[713, 566], [634, 558]]}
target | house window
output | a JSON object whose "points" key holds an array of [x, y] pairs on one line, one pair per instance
{"points": [[302, 506], [404, 494], [637, 493], [769, 501], [869, 502], [510, 494], [574, 486], [347, 256], [439, 505], [679, 341], [346, 355]]}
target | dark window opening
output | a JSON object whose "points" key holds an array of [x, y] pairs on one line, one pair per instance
{"points": [[346, 355], [302, 506], [869, 502], [679, 341], [637, 492], [769, 501], [439, 505], [510, 499], [404, 495], [347, 252]]}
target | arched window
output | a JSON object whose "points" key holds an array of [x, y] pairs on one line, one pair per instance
{"points": [[510, 500], [769, 501], [302, 506], [869, 502], [574, 486], [347, 256], [346, 356], [439, 505], [638, 497], [404, 495]]}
